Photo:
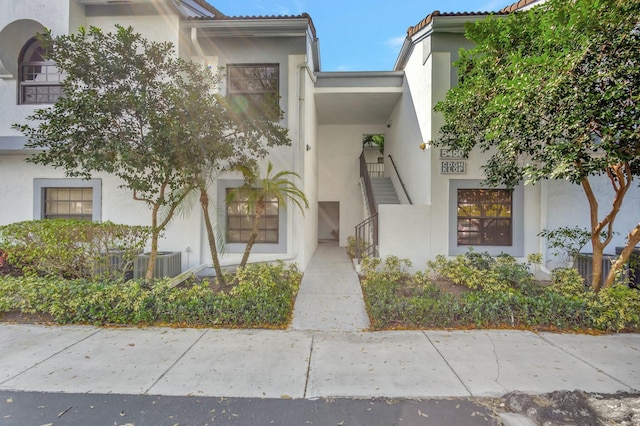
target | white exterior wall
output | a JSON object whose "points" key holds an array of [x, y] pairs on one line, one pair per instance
{"points": [[160, 23], [339, 171], [410, 125], [184, 233], [308, 131], [565, 205], [405, 231], [426, 78], [19, 22]]}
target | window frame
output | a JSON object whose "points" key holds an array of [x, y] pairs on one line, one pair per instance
{"points": [[516, 248], [223, 185], [240, 217], [41, 185], [486, 233], [46, 64], [233, 92]]}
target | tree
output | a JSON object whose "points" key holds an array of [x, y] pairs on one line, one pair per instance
{"points": [[241, 139], [257, 192], [133, 109], [374, 140], [552, 93]]}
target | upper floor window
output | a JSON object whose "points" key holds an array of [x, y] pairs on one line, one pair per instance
{"points": [[254, 89], [39, 78], [484, 217]]}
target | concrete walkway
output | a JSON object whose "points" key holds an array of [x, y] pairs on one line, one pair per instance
{"points": [[306, 364], [330, 297]]}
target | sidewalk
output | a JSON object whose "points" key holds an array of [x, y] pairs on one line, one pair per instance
{"points": [[304, 364], [325, 353]]}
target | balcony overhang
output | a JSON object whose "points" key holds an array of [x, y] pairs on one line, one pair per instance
{"points": [[357, 97]]}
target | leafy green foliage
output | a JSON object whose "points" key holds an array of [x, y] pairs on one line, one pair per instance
{"points": [[259, 191], [351, 247], [263, 297], [72, 248], [155, 121], [374, 140], [551, 93], [395, 298], [616, 308], [567, 241], [482, 271]]}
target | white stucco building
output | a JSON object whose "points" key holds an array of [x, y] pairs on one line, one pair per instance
{"points": [[327, 114]]}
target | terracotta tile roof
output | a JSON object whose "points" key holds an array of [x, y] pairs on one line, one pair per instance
{"points": [[517, 5], [411, 31], [222, 17]]}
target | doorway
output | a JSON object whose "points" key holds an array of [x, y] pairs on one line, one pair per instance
{"points": [[329, 222]]}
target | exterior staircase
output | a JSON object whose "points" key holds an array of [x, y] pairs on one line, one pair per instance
{"points": [[383, 191]]}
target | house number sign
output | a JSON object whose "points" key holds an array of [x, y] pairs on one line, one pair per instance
{"points": [[452, 167], [451, 153]]}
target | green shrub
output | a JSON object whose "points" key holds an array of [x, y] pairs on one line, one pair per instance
{"points": [[616, 308], [264, 294], [379, 291], [395, 298], [72, 248], [263, 297], [482, 271], [516, 309], [351, 247], [567, 281]]}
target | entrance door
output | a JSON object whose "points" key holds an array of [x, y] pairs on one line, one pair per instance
{"points": [[329, 222]]}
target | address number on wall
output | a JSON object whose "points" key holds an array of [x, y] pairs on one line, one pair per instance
{"points": [[452, 167]]}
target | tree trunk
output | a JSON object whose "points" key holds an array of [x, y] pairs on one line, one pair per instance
{"points": [[211, 237], [254, 233], [596, 264], [153, 255], [632, 240], [155, 236]]}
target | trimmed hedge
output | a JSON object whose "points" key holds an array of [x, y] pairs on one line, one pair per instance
{"points": [[263, 297], [72, 248], [512, 299]]}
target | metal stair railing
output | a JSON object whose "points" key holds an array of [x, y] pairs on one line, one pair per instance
{"points": [[367, 230], [367, 237], [404, 189]]}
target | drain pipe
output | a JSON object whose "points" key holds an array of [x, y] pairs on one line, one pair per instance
{"points": [[195, 43]]}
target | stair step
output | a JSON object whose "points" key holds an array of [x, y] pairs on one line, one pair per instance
{"points": [[383, 191]]}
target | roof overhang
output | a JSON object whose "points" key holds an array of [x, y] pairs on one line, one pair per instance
{"points": [[436, 22], [357, 97], [285, 27], [14, 145]]}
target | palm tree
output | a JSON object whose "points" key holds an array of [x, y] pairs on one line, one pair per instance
{"points": [[257, 192]]}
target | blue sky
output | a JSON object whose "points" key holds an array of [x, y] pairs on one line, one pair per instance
{"points": [[357, 35]]}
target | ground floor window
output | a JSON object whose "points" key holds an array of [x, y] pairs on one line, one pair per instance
{"points": [[240, 221], [67, 199], [68, 203], [489, 219], [484, 217], [237, 222]]}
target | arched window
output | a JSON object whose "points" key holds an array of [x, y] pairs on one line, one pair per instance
{"points": [[39, 78]]}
